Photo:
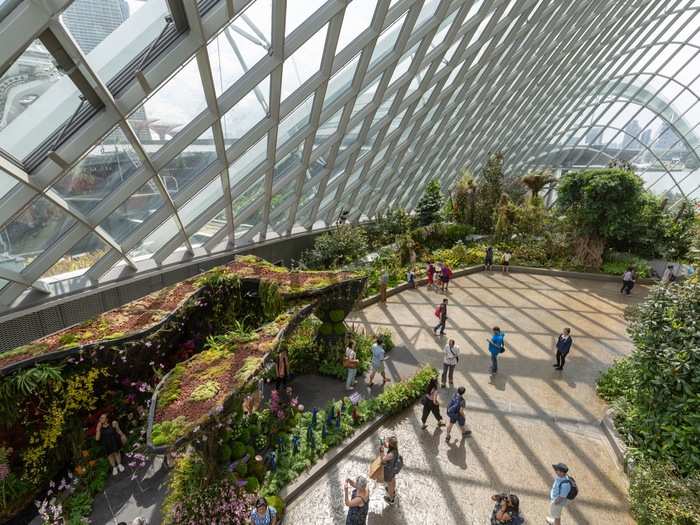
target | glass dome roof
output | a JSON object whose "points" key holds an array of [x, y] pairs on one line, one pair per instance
{"points": [[135, 134]]}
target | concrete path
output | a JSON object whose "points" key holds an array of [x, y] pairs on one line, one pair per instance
{"points": [[524, 419]]}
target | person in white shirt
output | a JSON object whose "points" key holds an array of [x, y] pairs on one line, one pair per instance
{"points": [[351, 363], [669, 276], [506, 261], [627, 281], [449, 362]]}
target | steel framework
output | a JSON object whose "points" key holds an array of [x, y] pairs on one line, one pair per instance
{"points": [[298, 110]]}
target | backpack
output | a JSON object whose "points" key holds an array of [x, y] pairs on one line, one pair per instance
{"points": [[573, 492], [438, 311], [397, 464], [453, 407]]}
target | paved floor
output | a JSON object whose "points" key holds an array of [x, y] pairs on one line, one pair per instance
{"points": [[526, 418]]}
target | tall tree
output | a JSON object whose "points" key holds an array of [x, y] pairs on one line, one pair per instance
{"points": [[463, 197], [490, 188], [430, 204]]}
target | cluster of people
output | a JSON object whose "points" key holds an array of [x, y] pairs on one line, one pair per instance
{"points": [[439, 276], [505, 261]]}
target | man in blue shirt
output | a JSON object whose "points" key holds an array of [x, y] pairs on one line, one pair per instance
{"points": [[377, 361], [496, 347], [558, 493]]}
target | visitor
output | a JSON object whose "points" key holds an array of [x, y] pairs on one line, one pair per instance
{"points": [[138, 521], [668, 276], [559, 493], [506, 261], [411, 278], [392, 462], [263, 514], [441, 313], [112, 439], [445, 276], [431, 404], [430, 272], [455, 411], [563, 346], [383, 283], [496, 346], [281, 368], [438, 277], [449, 362], [488, 260], [377, 362], [350, 363], [627, 280], [358, 502], [507, 510]]}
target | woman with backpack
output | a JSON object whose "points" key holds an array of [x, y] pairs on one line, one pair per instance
{"points": [[507, 510], [263, 514], [392, 462], [358, 503], [431, 405]]}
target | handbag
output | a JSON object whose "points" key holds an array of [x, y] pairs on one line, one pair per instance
{"points": [[453, 354], [350, 363], [376, 470]]}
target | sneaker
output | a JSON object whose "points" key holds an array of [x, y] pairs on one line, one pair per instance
{"points": [[466, 433], [441, 423], [447, 439], [555, 366], [389, 500], [349, 388], [423, 427], [452, 384], [550, 520], [443, 385], [120, 467], [114, 471]]}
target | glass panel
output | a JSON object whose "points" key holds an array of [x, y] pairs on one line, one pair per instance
{"points": [[308, 194], [133, 212], [79, 260], [35, 100], [247, 162], [403, 65], [6, 184], [243, 200], [202, 201], [386, 41], [357, 18], [240, 45], [100, 172], [298, 12], [250, 110], [442, 31], [207, 231], [172, 107], [350, 137], [31, 232], [109, 33], [289, 164], [304, 63], [295, 121], [327, 128], [155, 240], [426, 12], [188, 164], [365, 97], [340, 82]]}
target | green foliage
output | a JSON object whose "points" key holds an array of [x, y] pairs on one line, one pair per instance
{"points": [[463, 199], [205, 391], [170, 391], [388, 226], [614, 382], [489, 190], [658, 495], [252, 485], [237, 450], [618, 267], [337, 315], [535, 182], [167, 432], [663, 387], [336, 248], [270, 299], [430, 204], [304, 357], [602, 203], [441, 235], [25, 383]]}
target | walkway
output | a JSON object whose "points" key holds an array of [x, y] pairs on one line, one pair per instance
{"points": [[526, 418]]}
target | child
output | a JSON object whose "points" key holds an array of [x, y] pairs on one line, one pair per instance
{"points": [[411, 278]]}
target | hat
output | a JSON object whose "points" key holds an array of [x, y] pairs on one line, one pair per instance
{"points": [[561, 467]]}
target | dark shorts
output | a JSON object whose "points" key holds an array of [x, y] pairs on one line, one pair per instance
{"points": [[488, 262], [506, 263], [457, 418]]}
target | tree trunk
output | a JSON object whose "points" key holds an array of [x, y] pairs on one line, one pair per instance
{"points": [[588, 251]]}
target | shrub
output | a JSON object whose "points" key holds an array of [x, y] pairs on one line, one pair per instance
{"points": [[337, 247], [660, 496]]}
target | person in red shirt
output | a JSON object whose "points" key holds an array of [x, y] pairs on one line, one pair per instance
{"points": [[445, 276]]}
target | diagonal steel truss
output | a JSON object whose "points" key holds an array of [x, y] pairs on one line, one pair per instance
{"points": [[424, 89]]}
